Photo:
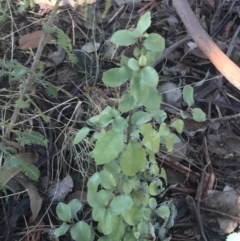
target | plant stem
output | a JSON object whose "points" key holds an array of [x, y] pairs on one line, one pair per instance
{"points": [[29, 81]]}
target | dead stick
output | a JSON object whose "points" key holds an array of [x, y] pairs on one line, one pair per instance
{"points": [[230, 70]]}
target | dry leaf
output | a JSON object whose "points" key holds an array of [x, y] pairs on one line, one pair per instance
{"points": [[35, 198], [31, 40], [59, 190]]}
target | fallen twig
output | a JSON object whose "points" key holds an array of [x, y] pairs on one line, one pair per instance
{"points": [[230, 70]]}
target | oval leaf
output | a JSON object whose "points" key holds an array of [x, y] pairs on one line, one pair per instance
{"points": [[198, 115], [188, 95], [133, 159], [121, 204], [143, 24], [154, 42], [124, 38], [61, 230], [163, 212], [64, 212], [178, 125], [108, 147], [81, 231], [149, 76], [115, 77]]}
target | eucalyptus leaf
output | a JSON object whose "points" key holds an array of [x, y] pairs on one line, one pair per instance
{"points": [[115, 77], [170, 142], [118, 234], [124, 38], [159, 115], [93, 182], [153, 189], [133, 159], [108, 146], [112, 168], [99, 199], [98, 212], [152, 203], [164, 130], [198, 115], [188, 95]]}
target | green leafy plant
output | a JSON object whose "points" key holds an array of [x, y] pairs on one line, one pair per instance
{"points": [[196, 113], [79, 231], [122, 194]]}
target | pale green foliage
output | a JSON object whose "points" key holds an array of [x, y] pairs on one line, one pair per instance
{"points": [[197, 114], [122, 193], [80, 231]]}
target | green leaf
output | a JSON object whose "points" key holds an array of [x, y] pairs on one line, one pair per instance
{"points": [[107, 180], [149, 76], [153, 189], [143, 24], [133, 64], [127, 103], [154, 42], [152, 203], [124, 38], [164, 130], [134, 215], [109, 222], [61, 230], [99, 199], [138, 90], [152, 57], [151, 138], [118, 233], [64, 212], [163, 212], [98, 212], [198, 115], [81, 231], [170, 142], [93, 182], [121, 204], [153, 100], [133, 159], [81, 135], [119, 124], [178, 125], [115, 77], [183, 115], [75, 205], [188, 95], [140, 117], [154, 169], [112, 168], [159, 115], [143, 228], [108, 146]]}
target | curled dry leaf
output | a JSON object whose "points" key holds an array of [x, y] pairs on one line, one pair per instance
{"points": [[35, 198], [31, 40], [58, 191]]}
